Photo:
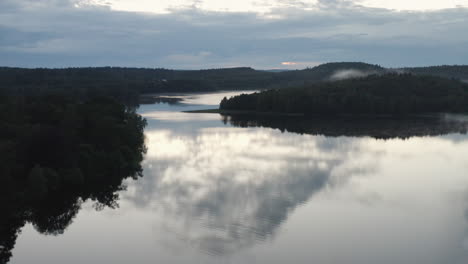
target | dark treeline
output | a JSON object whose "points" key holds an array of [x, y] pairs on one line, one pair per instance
{"points": [[126, 84], [379, 128], [57, 152], [457, 71], [389, 94]]}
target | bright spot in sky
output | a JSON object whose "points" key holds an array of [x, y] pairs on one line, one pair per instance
{"points": [[289, 63], [298, 64], [165, 6]]}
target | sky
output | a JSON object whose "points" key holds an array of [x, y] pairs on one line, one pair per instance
{"points": [[201, 34]]}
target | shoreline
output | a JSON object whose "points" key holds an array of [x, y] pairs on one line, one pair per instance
{"points": [[370, 116], [242, 112]]}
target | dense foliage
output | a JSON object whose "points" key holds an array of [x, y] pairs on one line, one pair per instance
{"points": [[57, 152], [126, 84], [395, 94], [457, 72]]}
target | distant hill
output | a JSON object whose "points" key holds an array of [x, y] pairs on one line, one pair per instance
{"points": [[129, 82], [137, 79], [327, 72], [276, 70]]}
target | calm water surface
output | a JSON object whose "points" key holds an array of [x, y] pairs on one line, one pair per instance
{"points": [[215, 193]]}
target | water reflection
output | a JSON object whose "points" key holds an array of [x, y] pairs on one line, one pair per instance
{"points": [[55, 213], [378, 127], [49, 170], [226, 189], [213, 192]]}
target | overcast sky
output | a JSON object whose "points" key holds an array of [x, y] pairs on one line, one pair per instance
{"points": [[188, 34]]}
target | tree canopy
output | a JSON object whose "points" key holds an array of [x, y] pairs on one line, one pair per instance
{"points": [[126, 84], [58, 152], [389, 94]]}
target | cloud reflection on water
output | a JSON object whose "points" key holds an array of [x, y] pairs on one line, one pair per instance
{"points": [[225, 189]]}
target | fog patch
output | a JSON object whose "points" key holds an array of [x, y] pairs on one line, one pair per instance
{"points": [[455, 117], [350, 74]]}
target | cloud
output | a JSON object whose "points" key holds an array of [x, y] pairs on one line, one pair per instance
{"points": [[60, 33], [414, 4]]}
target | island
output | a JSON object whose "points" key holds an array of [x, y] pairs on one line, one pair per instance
{"points": [[377, 94]]}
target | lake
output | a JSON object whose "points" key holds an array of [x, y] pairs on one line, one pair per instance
{"points": [[216, 190]]}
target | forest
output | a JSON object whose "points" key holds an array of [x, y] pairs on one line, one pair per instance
{"points": [[126, 84], [388, 94], [457, 71], [58, 151]]}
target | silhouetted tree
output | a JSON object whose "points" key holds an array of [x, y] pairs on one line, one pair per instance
{"points": [[57, 151]]}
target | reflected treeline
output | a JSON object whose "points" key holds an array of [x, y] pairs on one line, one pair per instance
{"points": [[151, 99], [57, 153], [376, 127]]}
